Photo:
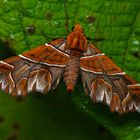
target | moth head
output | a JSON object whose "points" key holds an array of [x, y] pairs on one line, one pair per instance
{"points": [[79, 28], [76, 40]]}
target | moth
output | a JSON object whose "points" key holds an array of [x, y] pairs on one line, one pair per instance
{"points": [[41, 69]]}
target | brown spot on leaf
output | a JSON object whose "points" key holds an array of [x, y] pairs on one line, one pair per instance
{"points": [[49, 15], [136, 54], [20, 98], [30, 29], [1, 119], [16, 126], [12, 137], [91, 19]]}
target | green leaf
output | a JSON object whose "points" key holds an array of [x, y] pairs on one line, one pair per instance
{"points": [[24, 24]]}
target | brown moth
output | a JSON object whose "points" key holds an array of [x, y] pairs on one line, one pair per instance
{"points": [[41, 69]]}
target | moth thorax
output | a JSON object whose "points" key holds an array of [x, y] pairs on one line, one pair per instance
{"points": [[71, 73], [75, 53]]}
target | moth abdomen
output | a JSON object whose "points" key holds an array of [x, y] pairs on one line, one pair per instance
{"points": [[71, 73]]}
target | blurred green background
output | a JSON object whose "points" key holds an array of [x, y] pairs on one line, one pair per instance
{"points": [[113, 25]]}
